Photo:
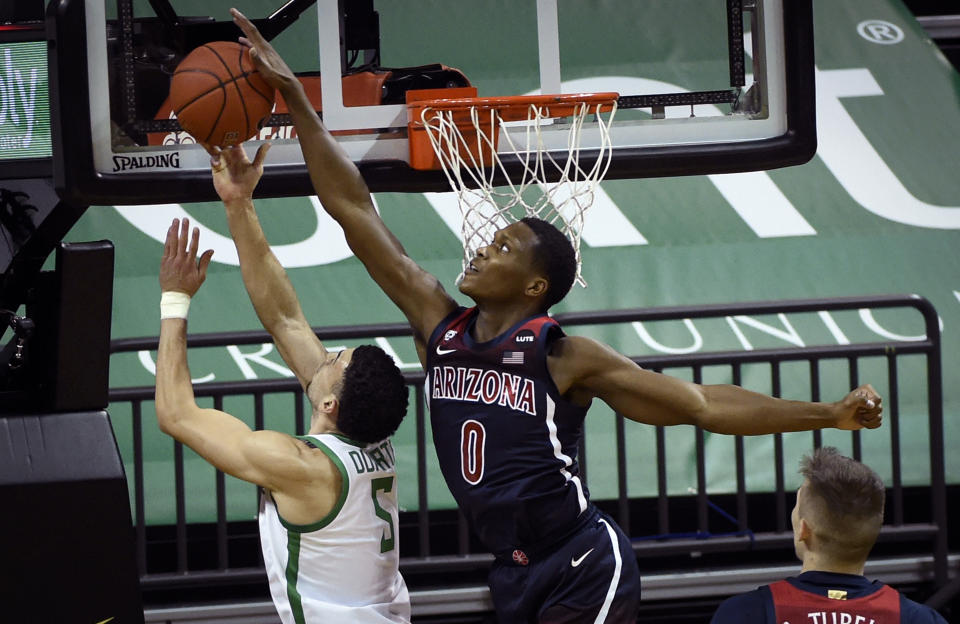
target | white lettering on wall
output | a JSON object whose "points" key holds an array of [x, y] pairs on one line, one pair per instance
{"points": [[147, 362], [754, 196], [384, 344], [761, 204], [324, 245], [789, 334], [662, 348], [243, 359], [834, 329], [866, 316], [847, 152]]}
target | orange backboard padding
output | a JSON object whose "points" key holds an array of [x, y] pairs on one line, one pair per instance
{"points": [[361, 89], [420, 95]]}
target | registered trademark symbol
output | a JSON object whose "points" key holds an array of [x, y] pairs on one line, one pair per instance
{"points": [[879, 31]]}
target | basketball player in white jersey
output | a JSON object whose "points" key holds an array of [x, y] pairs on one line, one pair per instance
{"points": [[328, 513]]}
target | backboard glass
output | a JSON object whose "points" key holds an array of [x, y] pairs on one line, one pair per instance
{"points": [[706, 86]]}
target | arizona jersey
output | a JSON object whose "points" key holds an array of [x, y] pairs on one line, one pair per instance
{"points": [[505, 438], [344, 568]]}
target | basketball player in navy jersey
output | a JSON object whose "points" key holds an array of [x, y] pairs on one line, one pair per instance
{"points": [[836, 521], [508, 390]]}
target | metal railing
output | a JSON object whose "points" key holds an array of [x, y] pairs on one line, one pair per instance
{"points": [[928, 529]]}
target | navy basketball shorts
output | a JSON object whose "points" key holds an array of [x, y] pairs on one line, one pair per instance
{"points": [[592, 578]]}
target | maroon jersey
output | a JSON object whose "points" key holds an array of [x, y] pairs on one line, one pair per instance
{"points": [[505, 438], [818, 597], [793, 605]]}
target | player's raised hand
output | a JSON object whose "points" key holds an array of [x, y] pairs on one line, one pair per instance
{"points": [[180, 270], [270, 65], [861, 408], [234, 175]]}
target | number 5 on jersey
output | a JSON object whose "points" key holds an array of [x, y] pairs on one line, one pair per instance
{"points": [[385, 485]]}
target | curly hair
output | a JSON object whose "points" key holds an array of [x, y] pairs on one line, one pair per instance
{"points": [[555, 257], [373, 396]]}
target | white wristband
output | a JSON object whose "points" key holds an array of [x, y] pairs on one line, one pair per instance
{"points": [[174, 304]]}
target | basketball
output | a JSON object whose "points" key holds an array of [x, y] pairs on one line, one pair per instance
{"points": [[218, 96]]}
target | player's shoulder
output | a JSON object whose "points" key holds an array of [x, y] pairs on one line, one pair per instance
{"points": [[915, 613], [567, 346], [281, 462], [753, 606], [320, 456], [451, 322], [575, 356], [585, 356]]}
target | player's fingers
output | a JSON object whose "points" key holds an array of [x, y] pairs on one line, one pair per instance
{"points": [[247, 27], [863, 397], [216, 162], [870, 414], [213, 150], [245, 42], [170, 244], [194, 242], [184, 231], [203, 263], [226, 157], [868, 392], [261, 154], [235, 157]]}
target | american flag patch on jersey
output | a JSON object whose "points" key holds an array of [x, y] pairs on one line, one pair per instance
{"points": [[513, 357]]}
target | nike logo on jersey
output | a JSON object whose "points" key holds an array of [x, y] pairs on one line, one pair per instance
{"points": [[576, 562], [444, 351]]}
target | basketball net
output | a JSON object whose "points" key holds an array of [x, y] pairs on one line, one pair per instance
{"points": [[471, 170]]}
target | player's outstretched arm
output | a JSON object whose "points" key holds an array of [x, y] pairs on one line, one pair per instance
{"points": [[267, 458], [266, 281], [583, 369], [345, 196]]}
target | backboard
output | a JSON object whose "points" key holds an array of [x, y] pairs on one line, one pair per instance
{"points": [[706, 86]]}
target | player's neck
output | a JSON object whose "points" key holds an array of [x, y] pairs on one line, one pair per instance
{"points": [[320, 423], [812, 562], [494, 319]]}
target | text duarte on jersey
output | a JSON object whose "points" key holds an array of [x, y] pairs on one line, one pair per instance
{"points": [[477, 385]]}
